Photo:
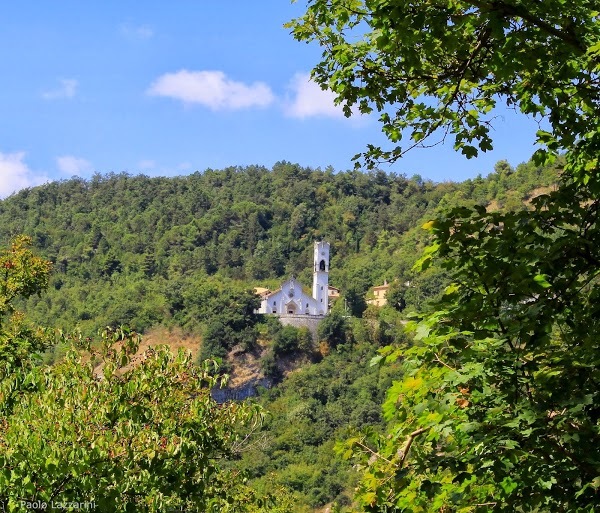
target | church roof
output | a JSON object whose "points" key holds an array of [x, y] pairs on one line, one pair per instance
{"points": [[292, 279], [272, 292]]}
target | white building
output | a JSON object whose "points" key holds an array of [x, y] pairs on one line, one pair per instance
{"points": [[290, 298]]}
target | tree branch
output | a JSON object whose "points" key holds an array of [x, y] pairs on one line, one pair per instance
{"points": [[403, 452], [375, 454], [504, 8]]}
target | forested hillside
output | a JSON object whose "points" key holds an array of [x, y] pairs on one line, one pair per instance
{"points": [[184, 252], [143, 251]]}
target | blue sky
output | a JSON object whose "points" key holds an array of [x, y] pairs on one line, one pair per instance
{"points": [[168, 88]]}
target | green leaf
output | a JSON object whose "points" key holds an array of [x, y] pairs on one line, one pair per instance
{"points": [[542, 280], [422, 332], [377, 360]]}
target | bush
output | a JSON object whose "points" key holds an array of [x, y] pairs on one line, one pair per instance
{"points": [[333, 328], [287, 341], [268, 365]]}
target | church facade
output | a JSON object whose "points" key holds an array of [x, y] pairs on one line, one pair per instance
{"points": [[291, 299]]}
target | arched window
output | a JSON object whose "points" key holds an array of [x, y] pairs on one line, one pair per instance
{"points": [[322, 265]]}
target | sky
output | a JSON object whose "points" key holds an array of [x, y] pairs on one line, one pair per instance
{"points": [[170, 88]]}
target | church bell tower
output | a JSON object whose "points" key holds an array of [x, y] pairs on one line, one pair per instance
{"points": [[321, 276]]}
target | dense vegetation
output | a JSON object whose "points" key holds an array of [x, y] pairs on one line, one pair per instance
{"points": [[140, 251], [498, 407], [496, 400], [77, 436], [107, 273], [315, 406]]}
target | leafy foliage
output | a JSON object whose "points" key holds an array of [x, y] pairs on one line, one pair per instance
{"points": [[310, 409], [334, 327], [290, 339], [502, 390], [438, 68], [498, 407], [21, 274], [230, 322], [186, 258], [182, 242], [147, 438]]}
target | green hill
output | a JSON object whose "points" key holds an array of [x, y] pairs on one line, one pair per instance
{"points": [[137, 250], [182, 253]]}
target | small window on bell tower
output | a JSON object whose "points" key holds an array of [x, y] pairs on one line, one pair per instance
{"points": [[322, 265]]}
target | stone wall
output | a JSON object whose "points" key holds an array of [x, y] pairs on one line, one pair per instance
{"points": [[298, 321]]}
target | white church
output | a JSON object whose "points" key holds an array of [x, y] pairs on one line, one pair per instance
{"points": [[290, 298]]}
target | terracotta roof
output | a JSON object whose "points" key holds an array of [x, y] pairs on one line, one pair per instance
{"points": [[382, 287]]}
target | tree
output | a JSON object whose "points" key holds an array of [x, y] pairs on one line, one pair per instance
{"points": [[230, 320], [148, 266], [110, 265], [499, 406], [146, 437], [22, 274], [396, 295], [333, 327], [355, 298], [438, 67]]}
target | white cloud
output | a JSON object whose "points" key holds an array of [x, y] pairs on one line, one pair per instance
{"points": [[73, 166], [67, 89], [137, 31], [16, 175], [212, 89], [309, 100]]}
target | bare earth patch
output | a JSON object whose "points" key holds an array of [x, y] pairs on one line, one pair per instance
{"points": [[175, 338]]}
